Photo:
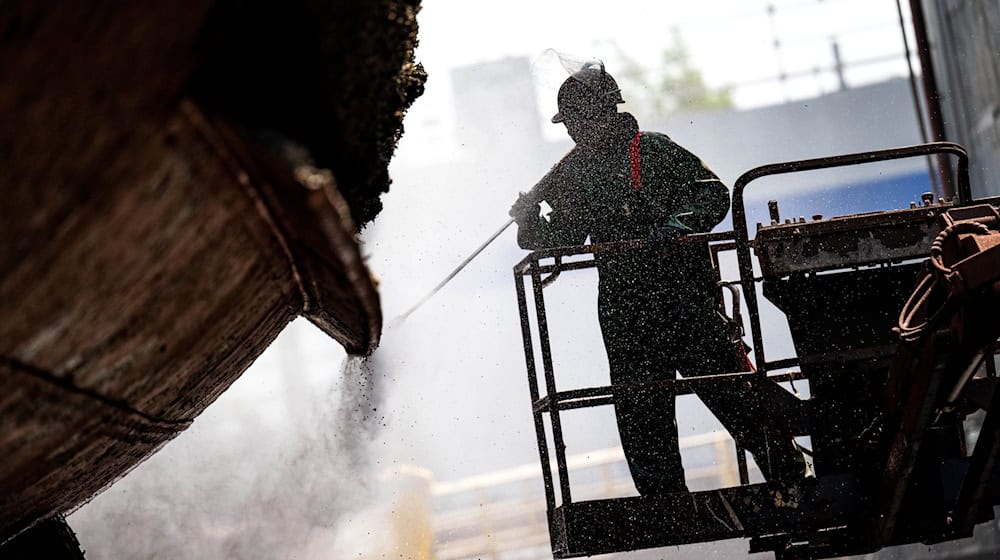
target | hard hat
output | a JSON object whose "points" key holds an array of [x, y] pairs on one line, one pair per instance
{"points": [[588, 89]]}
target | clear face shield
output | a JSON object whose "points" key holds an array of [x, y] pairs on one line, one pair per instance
{"points": [[584, 86]]}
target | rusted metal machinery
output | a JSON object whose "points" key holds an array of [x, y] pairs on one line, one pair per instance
{"points": [[893, 375]]}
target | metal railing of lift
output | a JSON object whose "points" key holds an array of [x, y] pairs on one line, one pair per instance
{"points": [[543, 267], [532, 267]]}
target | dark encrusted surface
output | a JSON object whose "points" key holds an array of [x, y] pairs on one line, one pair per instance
{"points": [[335, 76], [51, 539]]}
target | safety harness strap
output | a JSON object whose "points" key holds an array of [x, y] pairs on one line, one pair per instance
{"points": [[743, 357], [635, 162]]}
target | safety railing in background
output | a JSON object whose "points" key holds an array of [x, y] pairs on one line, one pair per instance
{"points": [[501, 514]]}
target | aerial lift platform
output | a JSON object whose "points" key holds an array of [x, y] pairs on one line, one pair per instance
{"points": [[894, 317]]}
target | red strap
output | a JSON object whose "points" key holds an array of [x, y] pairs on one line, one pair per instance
{"points": [[744, 357], [634, 162]]}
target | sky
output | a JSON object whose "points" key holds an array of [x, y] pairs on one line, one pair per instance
{"points": [[447, 390], [732, 42]]}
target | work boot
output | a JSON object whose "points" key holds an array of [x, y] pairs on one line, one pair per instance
{"points": [[777, 456]]}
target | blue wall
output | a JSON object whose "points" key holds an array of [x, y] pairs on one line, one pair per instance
{"points": [[883, 193]]}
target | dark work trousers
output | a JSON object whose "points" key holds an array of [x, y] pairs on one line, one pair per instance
{"points": [[649, 337]]}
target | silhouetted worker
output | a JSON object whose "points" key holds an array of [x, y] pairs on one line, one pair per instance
{"points": [[657, 306]]}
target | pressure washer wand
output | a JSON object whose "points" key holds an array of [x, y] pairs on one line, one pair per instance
{"points": [[453, 273], [538, 193]]}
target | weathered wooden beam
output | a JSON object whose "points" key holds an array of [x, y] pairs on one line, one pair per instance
{"points": [[151, 244]]}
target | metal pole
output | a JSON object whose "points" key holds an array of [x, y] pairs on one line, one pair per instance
{"points": [[550, 386], [932, 96], [529, 360], [915, 94]]}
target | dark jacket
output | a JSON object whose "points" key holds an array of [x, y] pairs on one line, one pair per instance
{"points": [[591, 193]]}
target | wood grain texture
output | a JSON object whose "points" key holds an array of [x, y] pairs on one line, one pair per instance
{"points": [[132, 315]]}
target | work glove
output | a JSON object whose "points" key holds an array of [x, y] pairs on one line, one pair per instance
{"points": [[669, 231], [525, 207], [663, 234]]}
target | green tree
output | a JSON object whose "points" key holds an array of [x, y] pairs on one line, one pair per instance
{"points": [[676, 85]]}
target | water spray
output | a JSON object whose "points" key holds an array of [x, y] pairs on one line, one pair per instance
{"points": [[544, 67]]}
